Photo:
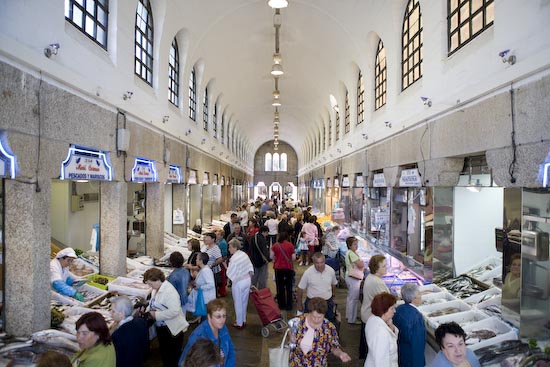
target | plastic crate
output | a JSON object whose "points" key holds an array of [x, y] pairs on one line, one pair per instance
{"points": [[462, 318], [439, 297], [125, 286], [503, 331], [482, 296], [460, 306], [94, 281], [429, 288]]}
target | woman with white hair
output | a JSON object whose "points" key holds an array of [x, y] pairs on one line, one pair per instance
{"points": [[131, 338], [240, 272], [412, 331]]}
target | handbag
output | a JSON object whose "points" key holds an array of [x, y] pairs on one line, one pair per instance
{"points": [[355, 272], [279, 357], [200, 307]]}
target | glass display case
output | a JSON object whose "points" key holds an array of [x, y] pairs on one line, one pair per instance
{"points": [[378, 213]]}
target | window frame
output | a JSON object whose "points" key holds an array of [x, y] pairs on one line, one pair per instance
{"points": [[483, 9], [174, 74], [347, 115], [144, 66], [380, 77], [337, 126], [215, 121], [360, 98], [205, 109], [408, 63], [192, 95], [96, 23]]}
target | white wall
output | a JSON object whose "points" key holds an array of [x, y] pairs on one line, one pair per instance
{"points": [[476, 215]]}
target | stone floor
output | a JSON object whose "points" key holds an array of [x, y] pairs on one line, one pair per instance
{"points": [[252, 349]]}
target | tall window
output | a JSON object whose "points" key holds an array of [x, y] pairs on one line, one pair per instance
{"points": [[215, 121], [144, 42], [412, 40], [467, 19], [268, 162], [324, 137], [360, 99], [174, 73], [192, 95], [275, 161], [205, 109], [337, 126], [329, 132], [90, 16], [380, 77], [222, 135], [347, 117], [283, 165]]}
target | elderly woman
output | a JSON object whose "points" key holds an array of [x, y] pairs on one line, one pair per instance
{"points": [[315, 337], [240, 271], [381, 333], [213, 328], [170, 322], [131, 337], [94, 340], [372, 286], [203, 353], [412, 330], [354, 275], [451, 339]]}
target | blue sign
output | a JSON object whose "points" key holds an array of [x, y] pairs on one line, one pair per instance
{"points": [[86, 164], [144, 170], [174, 174], [7, 158]]}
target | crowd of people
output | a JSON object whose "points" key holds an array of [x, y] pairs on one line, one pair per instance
{"points": [[240, 253]]}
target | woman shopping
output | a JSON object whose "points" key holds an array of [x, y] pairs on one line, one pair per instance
{"points": [[355, 268], [94, 340], [204, 280], [381, 333], [240, 272], [282, 253]]}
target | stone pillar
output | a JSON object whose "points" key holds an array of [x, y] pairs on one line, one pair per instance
{"points": [[113, 228], [154, 219], [441, 171], [27, 248], [179, 202]]}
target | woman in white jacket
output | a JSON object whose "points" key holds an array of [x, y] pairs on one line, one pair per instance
{"points": [[381, 333], [170, 322]]}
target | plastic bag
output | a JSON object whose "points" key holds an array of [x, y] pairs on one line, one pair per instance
{"points": [[200, 307]]}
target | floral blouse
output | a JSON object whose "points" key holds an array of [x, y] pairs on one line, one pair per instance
{"points": [[325, 340]]}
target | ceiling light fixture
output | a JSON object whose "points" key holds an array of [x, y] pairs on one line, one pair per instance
{"points": [[278, 4], [276, 102]]}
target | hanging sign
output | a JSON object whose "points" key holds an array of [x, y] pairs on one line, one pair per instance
{"points": [[144, 170], [174, 174], [345, 181], [410, 178], [329, 182], [215, 180], [86, 164], [192, 177], [336, 182], [7, 158], [359, 181], [379, 180], [205, 178], [222, 182]]}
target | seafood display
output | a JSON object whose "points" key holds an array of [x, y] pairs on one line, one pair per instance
{"points": [[499, 352], [444, 311], [476, 336], [81, 268], [462, 286]]}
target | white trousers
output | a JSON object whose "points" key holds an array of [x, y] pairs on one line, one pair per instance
{"points": [[352, 300], [240, 291]]}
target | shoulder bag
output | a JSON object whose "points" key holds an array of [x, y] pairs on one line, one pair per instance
{"points": [[354, 272], [258, 248], [279, 357]]}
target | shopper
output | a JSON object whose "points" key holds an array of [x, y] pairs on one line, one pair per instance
{"points": [[354, 275], [170, 322], [94, 340], [131, 336], [412, 330], [179, 277], [194, 246], [203, 353], [240, 271], [204, 281], [282, 253], [381, 333], [451, 339], [215, 258], [259, 255], [62, 280], [273, 225], [53, 359], [222, 244]]}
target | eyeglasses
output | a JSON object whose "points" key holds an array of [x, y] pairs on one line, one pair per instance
{"points": [[219, 316]]}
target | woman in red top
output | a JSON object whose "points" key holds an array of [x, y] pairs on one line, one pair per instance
{"points": [[252, 228], [282, 253]]}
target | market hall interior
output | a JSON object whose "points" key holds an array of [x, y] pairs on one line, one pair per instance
{"points": [[422, 126]]}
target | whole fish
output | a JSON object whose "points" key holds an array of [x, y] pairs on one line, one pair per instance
{"points": [[14, 346], [60, 342], [48, 333]]}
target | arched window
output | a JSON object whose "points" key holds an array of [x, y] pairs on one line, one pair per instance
{"points": [[90, 17], [174, 73], [380, 76], [411, 64], [324, 137], [329, 132], [222, 132], [205, 109], [144, 42], [337, 126], [283, 166], [215, 121], [192, 95], [347, 117], [268, 162], [276, 162], [360, 99], [467, 19]]}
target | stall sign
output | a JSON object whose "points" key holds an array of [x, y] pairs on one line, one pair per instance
{"points": [[192, 177], [7, 158], [174, 174], [336, 182], [379, 180], [546, 175], [144, 170], [410, 178], [86, 164], [205, 178], [222, 182], [345, 181], [215, 180], [359, 181], [329, 182]]}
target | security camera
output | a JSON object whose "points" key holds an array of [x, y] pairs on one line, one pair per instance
{"points": [[427, 101], [510, 59], [52, 49]]}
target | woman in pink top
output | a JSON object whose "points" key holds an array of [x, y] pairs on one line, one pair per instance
{"points": [[282, 253], [311, 232]]}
